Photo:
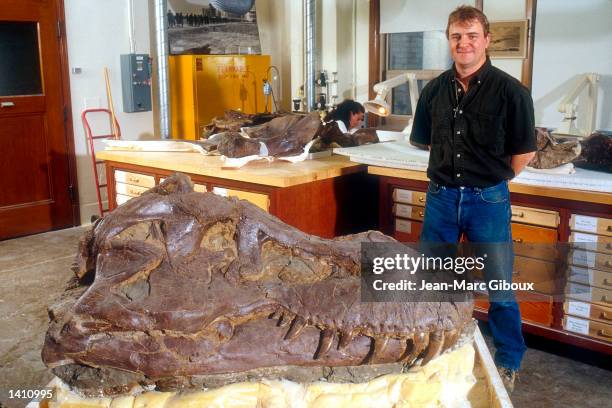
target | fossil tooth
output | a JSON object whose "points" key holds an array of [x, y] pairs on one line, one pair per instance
{"points": [[450, 339], [276, 314], [345, 339], [327, 338], [378, 348], [285, 319], [436, 341], [296, 328], [419, 343]]}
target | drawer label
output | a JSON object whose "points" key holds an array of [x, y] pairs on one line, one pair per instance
{"points": [[579, 237], [403, 226], [576, 325], [584, 258], [403, 195], [584, 223], [580, 290], [403, 210], [579, 308]]}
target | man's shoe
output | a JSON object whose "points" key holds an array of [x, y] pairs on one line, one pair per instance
{"points": [[508, 377]]}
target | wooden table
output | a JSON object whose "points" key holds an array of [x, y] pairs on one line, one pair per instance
{"points": [[316, 196]]}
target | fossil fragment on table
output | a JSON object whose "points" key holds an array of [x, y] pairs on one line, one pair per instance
{"points": [[552, 153], [233, 120], [596, 153], [182, 289], [284, 136]]}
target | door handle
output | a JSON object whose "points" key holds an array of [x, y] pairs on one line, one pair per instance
{"points": [[7, 104]]}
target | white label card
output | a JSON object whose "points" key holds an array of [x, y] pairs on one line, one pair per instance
{"points": [[404, 196], [403, 210], [586, 258], [584, 223], [579, 308], [220, 191], [403, 226], [579, 237], [576, 325]]}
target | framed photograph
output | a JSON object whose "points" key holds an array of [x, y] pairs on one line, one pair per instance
{"points": [[508, 39]]}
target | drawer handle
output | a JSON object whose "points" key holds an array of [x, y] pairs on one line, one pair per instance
{"points": [[421, 199], [604, 316], [607, 282], [609, 245], [609, 228], [603, 333], [607, 263], [7, 104], [518, 240], [605, 299], [421, 214], [134, 179], [520, 214]]}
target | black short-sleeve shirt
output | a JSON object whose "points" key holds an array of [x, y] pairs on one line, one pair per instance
{"points": [[473, 136]]}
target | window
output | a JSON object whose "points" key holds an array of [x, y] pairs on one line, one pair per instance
{"points": [[415, 52]]}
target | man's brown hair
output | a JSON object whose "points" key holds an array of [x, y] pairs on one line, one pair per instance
{"points": [[465, 14]]}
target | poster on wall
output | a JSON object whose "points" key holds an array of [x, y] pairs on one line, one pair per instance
{"points": [[212, 27], [508, 39]]}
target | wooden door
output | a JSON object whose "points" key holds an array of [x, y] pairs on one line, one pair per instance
{"points": [[37, 166]]}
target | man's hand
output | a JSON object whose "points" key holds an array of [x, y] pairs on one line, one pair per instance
{"points": [[420, 146], [519, 161]]}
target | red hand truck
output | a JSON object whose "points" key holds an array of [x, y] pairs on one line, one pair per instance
{"points": [[115, 134]]}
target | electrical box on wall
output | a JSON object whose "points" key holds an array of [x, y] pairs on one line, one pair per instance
{"points": [[136, 82]]}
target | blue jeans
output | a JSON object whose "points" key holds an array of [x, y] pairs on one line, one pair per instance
{"points": [[483, 216]]}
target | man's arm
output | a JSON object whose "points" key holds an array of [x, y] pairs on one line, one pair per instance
{"points": [[519, 161]]}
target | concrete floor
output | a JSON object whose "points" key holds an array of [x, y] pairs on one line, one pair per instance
{"points": [[34, 270]]}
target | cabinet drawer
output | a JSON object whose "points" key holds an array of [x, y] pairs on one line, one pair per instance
{"points": [[590, 277], [200, 188], [592, 225], [599, 243], [542, 273], [407, 231], [590, 260], [535, 216], [134, 179], [129, 190], [535, 242], [598, 330], [588, 311], [409, 211], [534, 307], [588, 294], [409, 197], [120, 198], [260, 200]]}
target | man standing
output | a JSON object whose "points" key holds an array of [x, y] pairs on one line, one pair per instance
{"points": [[479, 125]]}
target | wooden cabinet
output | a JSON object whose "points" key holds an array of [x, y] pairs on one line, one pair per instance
{"points": [[572, 297], [588, 306], [325, 207]]}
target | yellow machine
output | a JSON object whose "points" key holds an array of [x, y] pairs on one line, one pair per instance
{"points": [[204, 86]]}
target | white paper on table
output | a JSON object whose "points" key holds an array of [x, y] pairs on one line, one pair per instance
{"points": [[241, 161], [152, 146]]}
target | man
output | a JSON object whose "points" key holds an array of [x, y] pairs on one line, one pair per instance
{"points": [[478, 123]]}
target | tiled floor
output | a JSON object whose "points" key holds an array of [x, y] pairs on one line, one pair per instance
{"points": [[34, 270]]}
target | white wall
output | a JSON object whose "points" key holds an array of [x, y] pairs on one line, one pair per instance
{"points": [[572, 37], [97, 33], [500, 10]]}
